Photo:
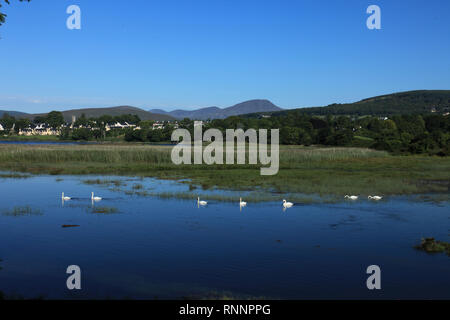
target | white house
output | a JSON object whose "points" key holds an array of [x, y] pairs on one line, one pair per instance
{"points": [[39, 130], [158, 125]]}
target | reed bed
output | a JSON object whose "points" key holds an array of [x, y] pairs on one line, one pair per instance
{"points": [[88, 153], [292, 154], [307, 170], [160, 154]]}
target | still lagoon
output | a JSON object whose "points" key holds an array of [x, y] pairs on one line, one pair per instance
{"points": [[141, 246]]}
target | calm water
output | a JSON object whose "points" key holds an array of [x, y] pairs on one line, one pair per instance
{"points": [[156, 248]]}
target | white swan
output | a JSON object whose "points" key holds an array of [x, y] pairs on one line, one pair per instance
{"points": [[375, 197], [242, 203], [201, 202], [287, 204], [65, 198], [95, 198], [351, 197]]}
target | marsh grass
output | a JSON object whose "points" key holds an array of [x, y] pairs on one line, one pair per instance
{"points": [[14, 176], [306, 170], [20, 211], [137, 186], [116, 183], [253, 197], [105, 210]]}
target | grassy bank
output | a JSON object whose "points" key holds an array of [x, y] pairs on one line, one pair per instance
{"points": [[303, 170], [36, 138]]}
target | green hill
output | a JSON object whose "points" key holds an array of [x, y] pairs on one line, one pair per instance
{"points": [[113, 111], [409, 102]]}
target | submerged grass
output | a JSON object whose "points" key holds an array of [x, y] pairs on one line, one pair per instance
{"points": [[22, 211], [105, 210], [307, 170], [138, 186], [14, 176]]}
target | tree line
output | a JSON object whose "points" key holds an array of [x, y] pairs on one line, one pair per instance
{"points": [[399, 134]]}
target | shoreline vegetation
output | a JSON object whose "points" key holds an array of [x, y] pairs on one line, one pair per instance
{"points": [[324, 171]]}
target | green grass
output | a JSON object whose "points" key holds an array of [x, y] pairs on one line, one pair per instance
{"points": [[39, 138], [308, 170]]}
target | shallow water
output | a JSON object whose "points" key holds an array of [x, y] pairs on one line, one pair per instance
{"points": [[156, 248]]}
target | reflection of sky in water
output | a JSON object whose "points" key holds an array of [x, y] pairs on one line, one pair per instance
{"points": [[170, 248]]}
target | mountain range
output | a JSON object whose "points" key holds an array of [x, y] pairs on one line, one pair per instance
{"points": [[95, 113], [408, 102], [250, 106], [161, 115]]}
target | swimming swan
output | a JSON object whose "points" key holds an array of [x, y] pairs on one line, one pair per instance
{"points": [[351, 197], [287, 204], [375, 197], [201, 202], [242, 203], [65, 198], [95, 198]]}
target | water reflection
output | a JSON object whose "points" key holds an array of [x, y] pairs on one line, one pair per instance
{"points": [[168, 248]]}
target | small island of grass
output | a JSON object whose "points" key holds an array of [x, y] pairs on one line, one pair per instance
{"points": [[430, 245]]}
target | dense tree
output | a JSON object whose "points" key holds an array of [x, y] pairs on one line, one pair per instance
{"points": [[81, 134], [55, 119], [21, 124], [7, 121], [401, 134]]}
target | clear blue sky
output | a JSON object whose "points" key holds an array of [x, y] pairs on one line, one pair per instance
{"points": [[171, 54]]}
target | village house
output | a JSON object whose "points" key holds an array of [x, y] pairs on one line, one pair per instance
{"points": [[158, 125], [118, 125], [41, 129]]}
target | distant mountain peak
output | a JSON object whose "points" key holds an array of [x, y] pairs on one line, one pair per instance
{"points": [[249, 106]]}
